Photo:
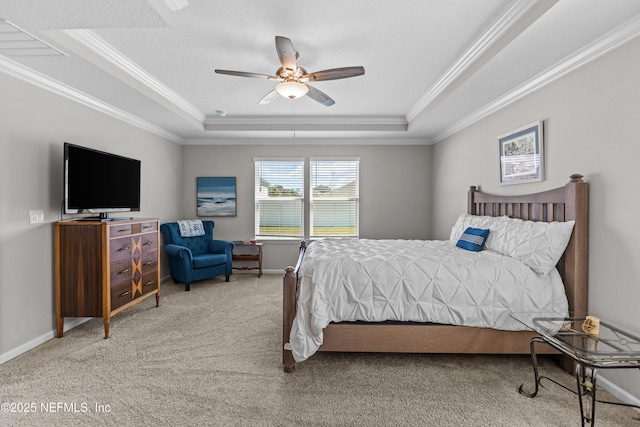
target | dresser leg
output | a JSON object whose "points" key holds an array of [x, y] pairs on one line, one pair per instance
{"points": [[157, 299], [59, 326], [107, 327]]}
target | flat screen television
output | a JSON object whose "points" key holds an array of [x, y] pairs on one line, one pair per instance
{"points": [[100, 183]]}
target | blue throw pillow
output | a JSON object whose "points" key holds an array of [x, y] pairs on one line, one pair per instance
{"points": [[473, 239]]}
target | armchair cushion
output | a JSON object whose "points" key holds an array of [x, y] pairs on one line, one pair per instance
{"points": [[209, 260]]}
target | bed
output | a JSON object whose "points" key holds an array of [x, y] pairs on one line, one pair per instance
{"points": [[565, 204]]}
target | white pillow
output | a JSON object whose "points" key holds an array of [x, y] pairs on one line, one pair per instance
{"points": [[537, 244], [494, 224]]}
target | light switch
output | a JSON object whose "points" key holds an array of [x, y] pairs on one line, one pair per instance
{"points": [[36, 217]]}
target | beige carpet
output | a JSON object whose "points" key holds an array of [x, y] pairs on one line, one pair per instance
{"points": [[212, 357]]}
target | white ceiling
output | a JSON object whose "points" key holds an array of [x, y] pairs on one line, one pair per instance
{"points": [[432, 67]]}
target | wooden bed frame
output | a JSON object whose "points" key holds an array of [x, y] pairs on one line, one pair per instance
{"points": [[570, 202]]}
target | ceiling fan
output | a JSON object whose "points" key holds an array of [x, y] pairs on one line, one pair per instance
{"points": [[293, 79]]}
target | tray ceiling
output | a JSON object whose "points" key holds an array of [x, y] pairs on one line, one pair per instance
{"points": [[432, 68]]}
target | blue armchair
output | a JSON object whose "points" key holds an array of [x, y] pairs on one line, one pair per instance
{"points": [[196, 258]]}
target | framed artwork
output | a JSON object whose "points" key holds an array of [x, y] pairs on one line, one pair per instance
{"points": [[216, 196], [521, 155]]}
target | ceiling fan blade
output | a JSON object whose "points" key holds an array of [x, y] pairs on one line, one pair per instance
{"points": [[334, 74], [320, 96], [245, 74], [286, 53], [268, 98]]}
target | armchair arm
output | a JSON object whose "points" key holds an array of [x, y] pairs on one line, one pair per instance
{"points": [[223, 247], [220, 247], [180, 263], [179, 252]]}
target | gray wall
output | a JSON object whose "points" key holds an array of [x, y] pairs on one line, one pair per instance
{"points": [[33, 126], [395, 194], [591, 127]]}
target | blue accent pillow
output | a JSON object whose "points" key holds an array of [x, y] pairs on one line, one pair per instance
{"points": [[473, 239]]}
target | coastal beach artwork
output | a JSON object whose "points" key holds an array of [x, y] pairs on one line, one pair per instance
{"points": [[216, 196]]}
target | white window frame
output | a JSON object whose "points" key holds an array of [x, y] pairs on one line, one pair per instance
{"points": [[306, 202]]}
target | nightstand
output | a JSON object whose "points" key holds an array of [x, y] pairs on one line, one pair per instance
{"points": [[246, 251]]}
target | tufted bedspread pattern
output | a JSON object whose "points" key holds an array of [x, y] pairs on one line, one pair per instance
{"points": [[414, 280]]}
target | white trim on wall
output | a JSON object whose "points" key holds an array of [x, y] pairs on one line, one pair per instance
{"points": [[15, 352], [35, 78], [618, 392], [605, 44]]}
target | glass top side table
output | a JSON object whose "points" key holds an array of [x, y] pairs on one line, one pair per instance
{"points": [[591, 342]]}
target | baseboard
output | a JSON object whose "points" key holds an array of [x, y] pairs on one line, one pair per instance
{"points": [[264, 271], [68, 325], [617, 392]]}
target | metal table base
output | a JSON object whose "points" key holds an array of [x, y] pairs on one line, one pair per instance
{"points": [[586, 376]]}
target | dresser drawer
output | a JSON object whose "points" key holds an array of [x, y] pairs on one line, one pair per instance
{"points": [[121, 271], [149, 283], [149, 242], [149, 226], [119, 230], [120, 294], [120, 248], [150, 262]]}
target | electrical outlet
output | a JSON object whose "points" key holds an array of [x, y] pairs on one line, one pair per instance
{"points": [[36, 217]]}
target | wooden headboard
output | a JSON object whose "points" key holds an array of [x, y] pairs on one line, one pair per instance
{"points": [[570, 202]]}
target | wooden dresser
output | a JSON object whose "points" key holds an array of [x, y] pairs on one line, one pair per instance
{"points": [[101, 268]]}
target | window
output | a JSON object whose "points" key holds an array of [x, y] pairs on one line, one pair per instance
{"points": [[333, 203], [332, 206], [279, 198]]}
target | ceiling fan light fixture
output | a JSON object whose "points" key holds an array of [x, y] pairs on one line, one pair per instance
{"points": [[292, 89]]}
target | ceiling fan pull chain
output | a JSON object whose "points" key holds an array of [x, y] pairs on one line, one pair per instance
{"points": [[293, 117]]}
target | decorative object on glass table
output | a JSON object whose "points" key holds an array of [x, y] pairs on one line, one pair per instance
{"points": [[591, 325]]}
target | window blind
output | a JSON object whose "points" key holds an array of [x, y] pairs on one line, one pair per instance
{"points": [[279, 198], [334, 198]]}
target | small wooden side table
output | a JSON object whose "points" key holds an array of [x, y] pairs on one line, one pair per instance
{"points": [[246, 251]]}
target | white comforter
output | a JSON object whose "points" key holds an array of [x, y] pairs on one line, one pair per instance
{"points": [[414, 280]]}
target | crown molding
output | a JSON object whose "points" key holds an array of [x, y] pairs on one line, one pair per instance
{"points": [[19, 71], [176, 5], [605, 44], [306, 123], [515, 20], [306, 141], [119, 66]]}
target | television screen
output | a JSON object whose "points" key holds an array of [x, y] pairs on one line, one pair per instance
{"points": [[99, 182]]}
